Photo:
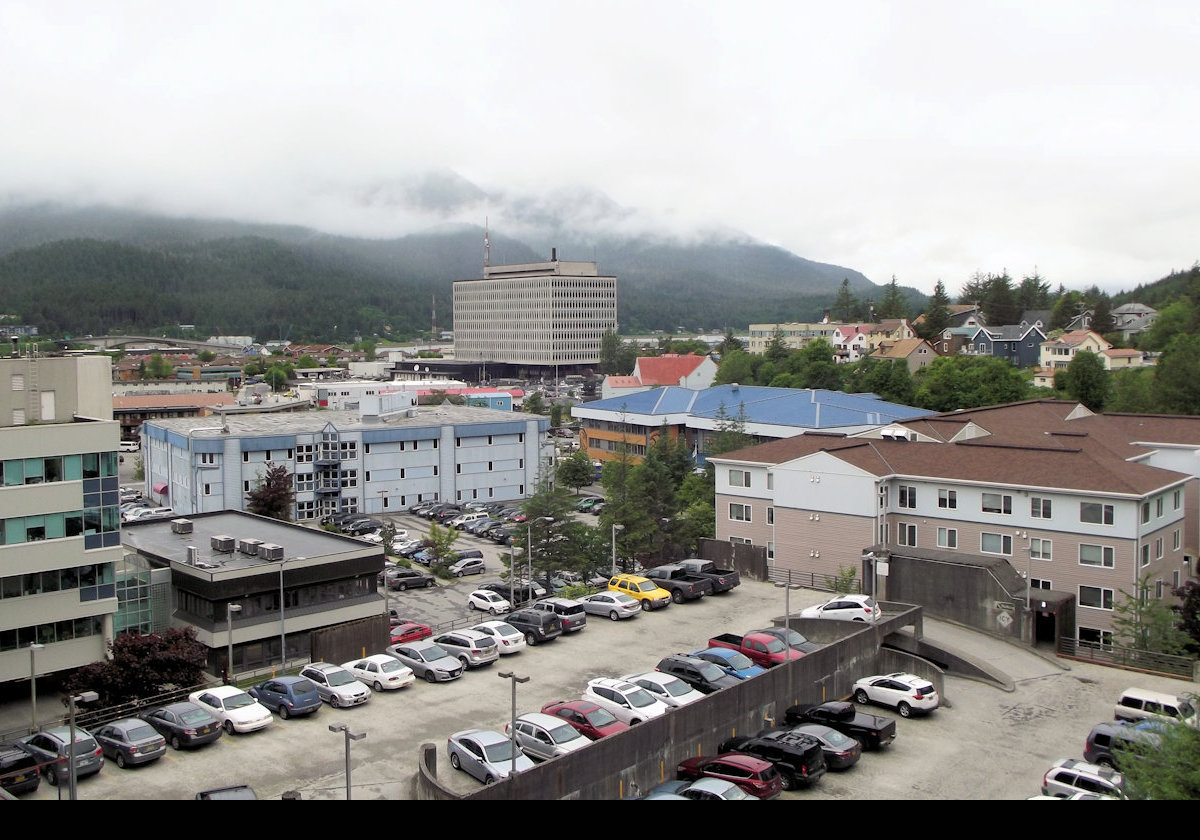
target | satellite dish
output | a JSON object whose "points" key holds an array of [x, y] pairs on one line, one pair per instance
{"points": [[416, 367]]}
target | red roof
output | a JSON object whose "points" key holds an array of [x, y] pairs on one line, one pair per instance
{"points": [[665, 370]]}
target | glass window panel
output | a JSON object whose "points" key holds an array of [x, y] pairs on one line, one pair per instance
{"points": [[73, 524], [14, 473], [53, 468], [84, 627], [50, 581], [108, 463], [10, 587], [33, 471], [69, 578], [111, 518], [45, 634], [65, 630], [87, 575], [14, 530], [55, 525], [91, 521], [35, 528], [91, 465], [72, 467]]}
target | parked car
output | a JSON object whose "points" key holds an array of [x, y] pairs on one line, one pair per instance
{"points": [[51, 748], [428, 661], [591, 719], [521, 591], [585, 504], [485, 754], [18, 770], [471, 566], [628, 703], [381, 672], [906, 693], [791, 638], [237, 710], [405, 631], [846, 608], [666, 688], [1142, 704], [703, 676], [335, 684], [614, 605], [537, 626], [1111, 743], [287, 696], [730, 661], [872, 731], [488, 601], [762, 649], [130, 741], [541, 736], [138, 514], [643, 589], [508, 638], [841, 751], [712, 789], [757, 777], [798, 758], [1068, 776], [184, 724], [402, 579], [569, 611], [470, 647], [232, 792]]}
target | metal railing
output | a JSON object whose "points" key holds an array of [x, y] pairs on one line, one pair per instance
{"points": [[1128, 658]]}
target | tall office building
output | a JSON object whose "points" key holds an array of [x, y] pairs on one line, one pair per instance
{"points": [[60, 537], [536, 314]]}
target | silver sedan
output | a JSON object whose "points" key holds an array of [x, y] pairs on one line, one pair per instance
{"points": [[615, 605]]}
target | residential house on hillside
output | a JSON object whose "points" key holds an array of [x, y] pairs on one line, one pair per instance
{"points": [[953, 340], [626, 425], [1062, 508], [1039, 318], [850, 343], [1133, 318], [961, 315], [1057, 353], [915, 352], [1018, 344]]}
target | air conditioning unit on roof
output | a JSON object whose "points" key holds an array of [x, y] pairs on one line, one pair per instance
{"points": [[249, 545], [222, 543], [270, 551], [181, 526]]}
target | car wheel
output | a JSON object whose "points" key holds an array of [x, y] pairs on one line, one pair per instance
{"points": [[614, 615], [402, 587], [494, 611], [430, 677], [465, 662], [175, 744], [121, 760], [458, 574], [905, 710], [228, 727], [489, 780], [429, 583], [860, 696], [284, 714], [454, 762], [470, 604], [635, 721], [334, 701], [378, 686], [1105, 762], [677, 597], [51, 776], [787, 781], [530, 639]]}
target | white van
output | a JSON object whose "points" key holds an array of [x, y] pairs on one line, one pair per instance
{"points": [[131, 446], [1142, 704]]}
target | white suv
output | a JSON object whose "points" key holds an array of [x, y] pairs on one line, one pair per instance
{"points": [[1070, 776], [907, 693], [628, 703], [846, 608]]}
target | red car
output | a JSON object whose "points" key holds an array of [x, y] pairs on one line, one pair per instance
{"points": [[590, 719], [753, 775], [404, 631]]}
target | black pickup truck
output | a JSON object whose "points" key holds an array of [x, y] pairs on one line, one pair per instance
{"points": [[872, 731], [722, 579], [682, 585]]}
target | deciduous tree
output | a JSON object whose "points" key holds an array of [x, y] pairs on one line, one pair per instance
{"points": [[273, 495], [1088, 381]]}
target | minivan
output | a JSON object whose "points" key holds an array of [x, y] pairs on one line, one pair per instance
{"points": [[569, 611], [130, 446], [1140, 704]]}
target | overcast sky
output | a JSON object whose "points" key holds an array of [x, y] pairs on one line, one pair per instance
{"points": [[922, 139]]}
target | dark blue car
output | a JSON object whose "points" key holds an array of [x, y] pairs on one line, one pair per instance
{"points": [[287, 696], [730, 661]]}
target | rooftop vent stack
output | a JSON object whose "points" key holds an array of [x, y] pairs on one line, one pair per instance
{"points": [[249, 546], [181, 526], [222, 543], [270, 551], [192, 555]]}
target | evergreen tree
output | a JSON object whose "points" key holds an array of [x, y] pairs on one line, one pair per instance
{"points": [[1102, 317], [1033, 293], [999, 302], [776, 349], [730, 432], [845, 305], [1176, 386], [893, 304], [273, 496], [937, 313], [729, 343], [575, 471]]}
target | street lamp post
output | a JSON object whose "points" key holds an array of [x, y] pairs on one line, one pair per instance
{"points": [[34, 647], [615, 527], [512, 731], [350, 736], [83, 697], [230, 610], [282, 621]]}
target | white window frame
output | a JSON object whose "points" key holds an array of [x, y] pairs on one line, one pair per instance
{"points": [[1108, 557], [1107, 514], [1106, 597], [745, 512], [1002, 504], [908, 496], [1005, 544], [1041, 549], [1040, 507], [948, 499], [739, 478], [947, 538]]}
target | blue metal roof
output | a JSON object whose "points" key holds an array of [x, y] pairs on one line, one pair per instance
{"points": [[802, 407]]}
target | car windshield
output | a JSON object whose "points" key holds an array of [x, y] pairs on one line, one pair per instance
{"points": [[676, 688], [140, 733], [238, 701], [710, 671], [600, 717], [640, 698], [739, 662], [837, 739], [776, 646], [340, 677], [390, 665], [195, 716], [1186, 710], [647, 586], [564, 733], [499, 751]]}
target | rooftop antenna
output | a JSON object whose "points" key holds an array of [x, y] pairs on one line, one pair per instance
{"points": [[432, 316], [487, 245]]}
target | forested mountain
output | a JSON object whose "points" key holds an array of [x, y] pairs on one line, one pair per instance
{"points": [[96, 270]]}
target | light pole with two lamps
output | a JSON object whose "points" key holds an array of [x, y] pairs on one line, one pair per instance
{"points": [[350, 736], [34, 647], [512, 732], [72, 699], [615, 528]]}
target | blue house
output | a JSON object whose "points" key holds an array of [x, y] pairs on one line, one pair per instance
{"points": [[1020, 344]]}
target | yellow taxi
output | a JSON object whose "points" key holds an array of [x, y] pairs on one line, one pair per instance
{"points": [[645, 590]]}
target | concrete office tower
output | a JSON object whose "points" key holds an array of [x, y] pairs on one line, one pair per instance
{"points": [[551, 313], [60, 534]]}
